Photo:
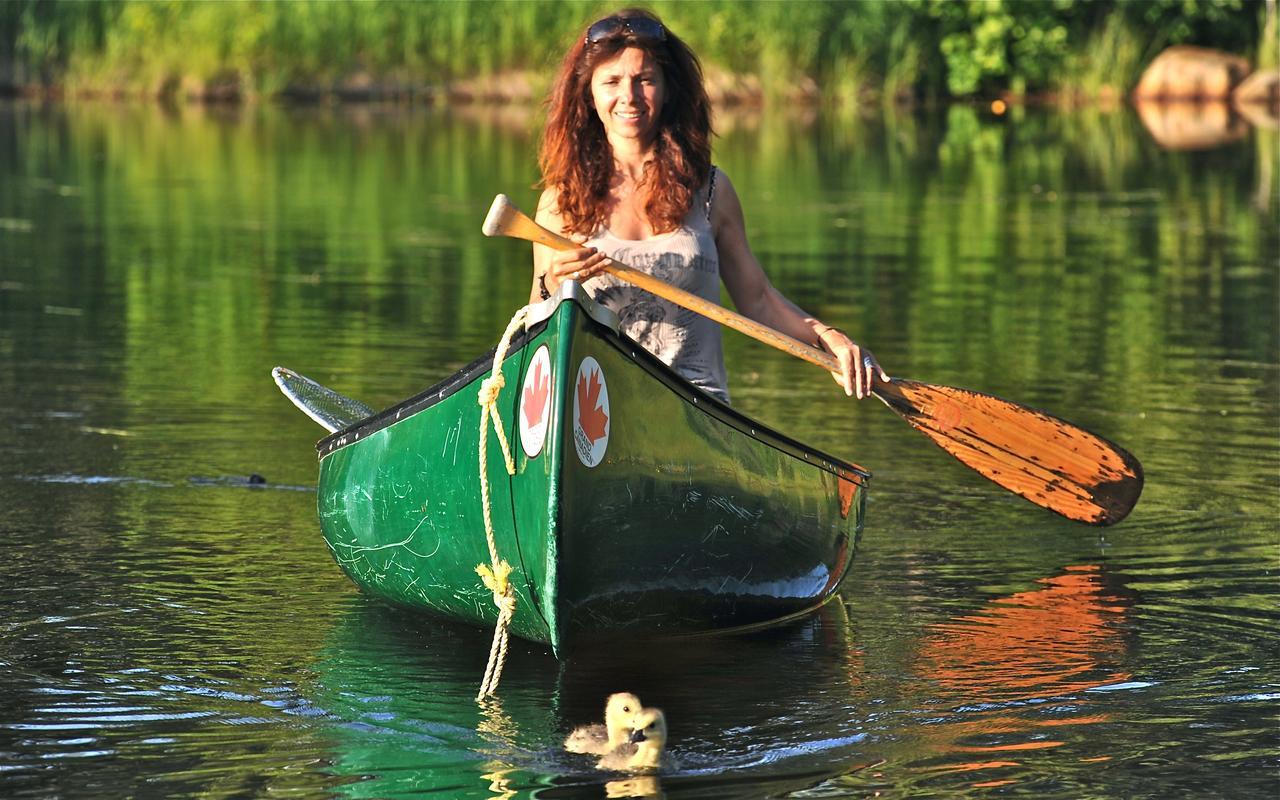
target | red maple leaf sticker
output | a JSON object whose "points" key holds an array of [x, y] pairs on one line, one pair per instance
{"points": [[536, 393], [591, 417]]}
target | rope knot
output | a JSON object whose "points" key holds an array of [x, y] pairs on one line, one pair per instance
{"points": [[506, 605], [490, 387], [495, 580]]}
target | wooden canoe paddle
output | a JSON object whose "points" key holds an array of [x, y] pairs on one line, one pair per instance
{"points": [[1047, 460]]}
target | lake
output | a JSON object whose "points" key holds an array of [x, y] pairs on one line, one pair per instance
{"points": [[169, 629]]}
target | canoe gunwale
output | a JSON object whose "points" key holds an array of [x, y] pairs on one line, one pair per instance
{"points": [[535, 323], [422, 401], [726, 414], [607, 325]]}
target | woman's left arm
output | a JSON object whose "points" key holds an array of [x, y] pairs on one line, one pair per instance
{"points": [[755, 296]]}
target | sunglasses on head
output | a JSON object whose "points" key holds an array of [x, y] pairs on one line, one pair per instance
{"points": [[626, 27]]}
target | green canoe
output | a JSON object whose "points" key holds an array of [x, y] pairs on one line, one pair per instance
{"points": [[640, 506]]}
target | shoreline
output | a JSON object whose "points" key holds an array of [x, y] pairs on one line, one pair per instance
{"points": [[526, 89], [516, 88], [1175, 123], [743, 93]]}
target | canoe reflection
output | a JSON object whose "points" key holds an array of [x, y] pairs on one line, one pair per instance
{"points": [[777, 705]]}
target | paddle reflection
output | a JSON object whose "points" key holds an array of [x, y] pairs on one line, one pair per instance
{"points": [[1051, 641], [1003, 662]]}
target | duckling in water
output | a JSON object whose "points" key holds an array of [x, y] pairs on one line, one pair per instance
{"points": [[619, 710], [645, 750]]}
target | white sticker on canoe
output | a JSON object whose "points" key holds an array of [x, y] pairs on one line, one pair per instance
{"points": [[590, 412], [535, 403]]}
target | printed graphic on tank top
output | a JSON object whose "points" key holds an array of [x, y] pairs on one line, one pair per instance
{"points": [[685, 258]]}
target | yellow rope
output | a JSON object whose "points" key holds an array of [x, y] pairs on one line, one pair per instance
{"points": [[494, 575]]}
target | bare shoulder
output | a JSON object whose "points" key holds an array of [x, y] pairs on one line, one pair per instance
{"points": [[722, 181], [548, 201], [726, 208], [739, 269]]}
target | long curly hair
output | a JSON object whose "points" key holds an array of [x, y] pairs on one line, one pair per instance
{"points": [[575, 157]]}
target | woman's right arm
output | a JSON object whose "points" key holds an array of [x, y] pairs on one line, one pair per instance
{"points": [[553, 267]]}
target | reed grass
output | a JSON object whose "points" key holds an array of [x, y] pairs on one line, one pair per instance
{"points": [[838, 49], [1110, 60], [1269, 38]]}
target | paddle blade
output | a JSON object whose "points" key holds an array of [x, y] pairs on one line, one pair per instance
{"points": [[1049, 461], [327, 408]]}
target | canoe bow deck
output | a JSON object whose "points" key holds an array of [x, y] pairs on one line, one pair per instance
{"points": [[640, 507]]}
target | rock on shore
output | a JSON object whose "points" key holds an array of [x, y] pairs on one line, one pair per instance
{"points": [[1184, 72]]}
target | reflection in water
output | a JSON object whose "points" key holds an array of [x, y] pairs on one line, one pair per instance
{"points": [[1192, 125], [1053, 641], [642, 786], [1017, 653], [396, 737], [499, 731], [170, 634]]}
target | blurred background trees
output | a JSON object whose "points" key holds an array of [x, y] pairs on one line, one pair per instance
{"points": [[845, 50]]}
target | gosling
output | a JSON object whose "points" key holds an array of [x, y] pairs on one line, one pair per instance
{"points": [[619, 711], [646, 749]]}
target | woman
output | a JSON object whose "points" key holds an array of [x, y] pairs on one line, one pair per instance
{"points": [[626, 170]]}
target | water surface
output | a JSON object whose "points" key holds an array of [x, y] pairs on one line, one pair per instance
{"points": [[169, 629]]}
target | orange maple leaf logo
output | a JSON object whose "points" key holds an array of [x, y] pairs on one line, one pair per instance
{"points": [[535, 396], [592, 418]]}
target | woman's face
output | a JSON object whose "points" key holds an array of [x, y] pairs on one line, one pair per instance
{"points": [[628, 92]]}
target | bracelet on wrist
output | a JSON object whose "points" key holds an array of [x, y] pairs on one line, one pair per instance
{"points": [[825, 330]]}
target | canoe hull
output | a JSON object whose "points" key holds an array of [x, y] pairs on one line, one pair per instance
{"points": [[648, 510]]}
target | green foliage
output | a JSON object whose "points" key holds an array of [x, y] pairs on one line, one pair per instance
{"points": [[929, 48], [1030, 45], [1269, 41]]}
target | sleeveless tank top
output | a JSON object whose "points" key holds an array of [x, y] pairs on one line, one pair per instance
{"points": [[687, 258]]}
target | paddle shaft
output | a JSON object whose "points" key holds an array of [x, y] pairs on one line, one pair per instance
{"points": [[516, 224]]}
